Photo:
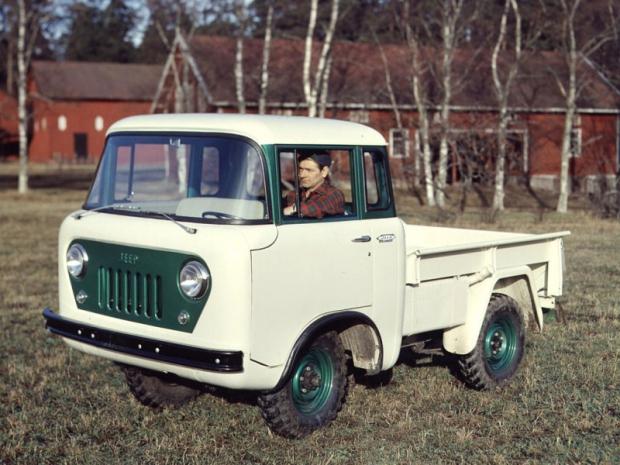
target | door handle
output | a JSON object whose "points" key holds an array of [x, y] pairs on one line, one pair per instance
{"points": [[362, 239]]}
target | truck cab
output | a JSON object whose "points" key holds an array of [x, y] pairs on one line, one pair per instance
{"points": [[204, 255]]}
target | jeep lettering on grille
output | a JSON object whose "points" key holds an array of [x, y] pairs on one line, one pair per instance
{"points": [[128, 258]]}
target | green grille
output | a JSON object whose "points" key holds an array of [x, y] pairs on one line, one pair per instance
{"points": [[136, 284], [130, 292]]}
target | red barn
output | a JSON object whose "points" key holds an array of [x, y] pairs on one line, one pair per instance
{"points": [[8, 126], [74, 103], [358, 92]]}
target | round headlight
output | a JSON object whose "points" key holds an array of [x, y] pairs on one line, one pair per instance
{"points": [[194, 279], [77, 259]]}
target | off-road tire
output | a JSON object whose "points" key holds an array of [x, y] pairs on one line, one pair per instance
{"points": [[160, 390], [294, 413], [499, 349]]}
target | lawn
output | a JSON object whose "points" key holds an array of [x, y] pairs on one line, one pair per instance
{"points": [[61, 406]]}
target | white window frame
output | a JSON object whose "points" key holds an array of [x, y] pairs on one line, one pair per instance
{"points": [[405, 135]]}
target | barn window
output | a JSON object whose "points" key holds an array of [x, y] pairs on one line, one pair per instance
{"points": [[399, 143], [359, 116], [62, 123], [98, 123]]}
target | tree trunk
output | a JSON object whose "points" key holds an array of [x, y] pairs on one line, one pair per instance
{"points": [[239, 75], [442, 171], [500, 163], [426, 159], [22, 184], [241, 16], [423, 150], [264, 77], [313, 90], [502, 91], [325, 87], [571, 106], [314, 4], [448, 31], [562, 206]]}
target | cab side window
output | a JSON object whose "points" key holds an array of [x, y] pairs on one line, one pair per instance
{"points": [[376, 180], [315, 183]]}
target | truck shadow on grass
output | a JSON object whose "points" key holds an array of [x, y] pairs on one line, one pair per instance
{"points": [[357, 377]]}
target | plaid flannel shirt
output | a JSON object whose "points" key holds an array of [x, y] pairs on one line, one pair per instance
{"points": [[324, 200]]}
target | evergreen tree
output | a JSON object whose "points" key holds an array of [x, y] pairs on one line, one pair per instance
{"points": [[100, 35]]}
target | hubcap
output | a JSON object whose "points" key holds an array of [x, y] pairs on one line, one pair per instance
{"points": [[312, 381], [500, 345]]}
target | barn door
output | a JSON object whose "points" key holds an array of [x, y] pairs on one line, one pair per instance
{"points": [[80, 145]]}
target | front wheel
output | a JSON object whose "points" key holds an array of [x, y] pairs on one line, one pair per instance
{"points": [[314, 392], [499, 348]]}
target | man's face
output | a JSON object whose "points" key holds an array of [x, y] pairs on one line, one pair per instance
{"points": [[310, 174]]}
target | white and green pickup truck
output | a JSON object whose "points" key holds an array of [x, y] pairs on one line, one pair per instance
{"points": [[195, 262]]}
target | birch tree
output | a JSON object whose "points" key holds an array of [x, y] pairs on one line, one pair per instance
{"points": [[450, 17], [423, 148], [242, 18], [28, 26], [571, 100], [315, 88], [575, 55], [502, 92], [264, 76]]}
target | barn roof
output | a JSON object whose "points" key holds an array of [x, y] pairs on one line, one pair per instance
{"points": [[358, 76], [71, 80]]}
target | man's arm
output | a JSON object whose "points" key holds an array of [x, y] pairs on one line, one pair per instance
{"points": [[289, 203]]}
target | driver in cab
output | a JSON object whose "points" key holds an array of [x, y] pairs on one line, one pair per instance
{"points": [[317, 197]]}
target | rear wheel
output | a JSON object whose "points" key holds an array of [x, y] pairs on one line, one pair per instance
{"points": [[314, 393], [500, 346], [157, 390]]}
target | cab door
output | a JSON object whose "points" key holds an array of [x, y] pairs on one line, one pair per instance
{"points": [[387, 248], [315, 266]]}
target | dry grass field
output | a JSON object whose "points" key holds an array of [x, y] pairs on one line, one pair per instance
{"points": [[58, 406]]}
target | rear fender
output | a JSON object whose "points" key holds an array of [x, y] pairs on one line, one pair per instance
{"points": [[513, 282]]}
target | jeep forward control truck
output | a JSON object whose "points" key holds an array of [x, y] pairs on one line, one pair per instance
{"points": [[182, 268]]}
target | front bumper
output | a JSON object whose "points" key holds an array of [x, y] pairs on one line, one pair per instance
{"points": [[204, 359]]}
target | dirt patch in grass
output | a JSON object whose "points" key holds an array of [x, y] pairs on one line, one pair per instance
{"points": [[60, 406]]}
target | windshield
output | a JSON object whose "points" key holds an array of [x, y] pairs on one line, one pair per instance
{"points": [[207, 178]]}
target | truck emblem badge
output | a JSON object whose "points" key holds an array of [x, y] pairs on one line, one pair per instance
{"points": [[129, 258], [386, 237]]}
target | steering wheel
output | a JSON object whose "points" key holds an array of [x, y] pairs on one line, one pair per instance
{"points": [[220, 215]]}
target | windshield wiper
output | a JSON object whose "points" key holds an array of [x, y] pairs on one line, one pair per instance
{"points": [[187, 229], [129, 207], [120, 206]]}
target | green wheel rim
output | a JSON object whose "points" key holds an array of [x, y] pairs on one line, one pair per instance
{"points": [[312, 381], [500, 345]]}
